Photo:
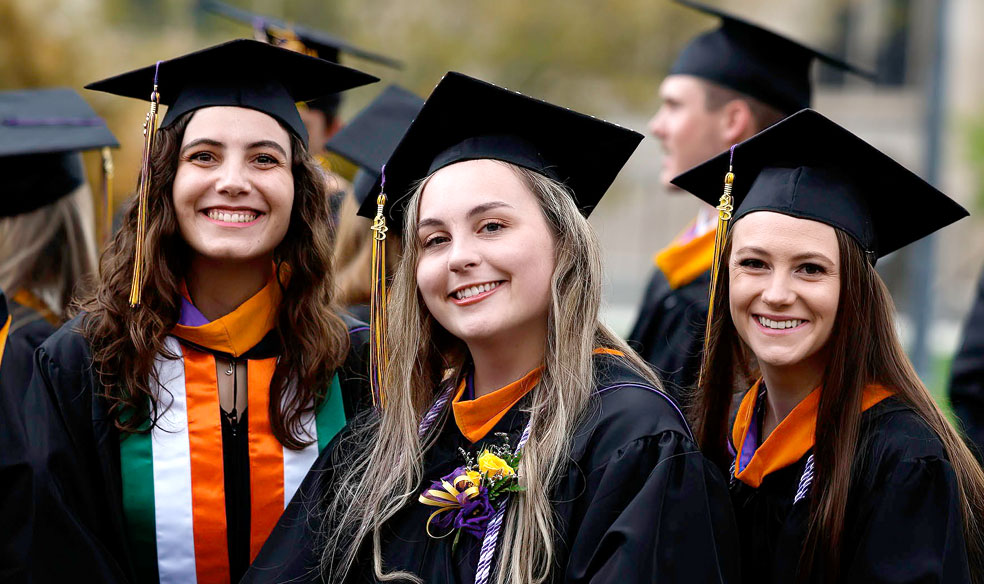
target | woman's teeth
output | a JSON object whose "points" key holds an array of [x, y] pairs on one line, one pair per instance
{"points": [[779, 324], [231, 216], [473, 290]]}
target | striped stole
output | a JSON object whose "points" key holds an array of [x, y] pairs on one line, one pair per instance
{"points": [[173, 483]]}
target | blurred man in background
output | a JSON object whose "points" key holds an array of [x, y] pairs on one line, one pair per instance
{"points": [[726, 85]]}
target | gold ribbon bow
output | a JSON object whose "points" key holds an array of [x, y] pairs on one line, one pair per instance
{"points": [[446, 499]]}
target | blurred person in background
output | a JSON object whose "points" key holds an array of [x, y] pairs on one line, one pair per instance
{"points": [[48, 224], [172, 420], [725, 86], [967, 376], [320, 115], [368, 141], [47, 250]]}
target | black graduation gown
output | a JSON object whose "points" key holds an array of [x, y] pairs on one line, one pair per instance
{"points": [[903, 518], [967, 376], [669, 331], [75, 452], [638, 503], [28, 329]]}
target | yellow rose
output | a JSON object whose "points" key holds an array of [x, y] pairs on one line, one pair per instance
{"points": [[493, 466]]}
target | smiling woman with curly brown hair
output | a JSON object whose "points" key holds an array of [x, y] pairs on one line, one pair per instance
{"points": [[174, 418]]}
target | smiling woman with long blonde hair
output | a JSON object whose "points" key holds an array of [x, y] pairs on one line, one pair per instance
{"points": [[519, 440]]}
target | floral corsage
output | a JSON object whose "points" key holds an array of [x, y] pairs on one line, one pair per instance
{"points": [[468, 497]]}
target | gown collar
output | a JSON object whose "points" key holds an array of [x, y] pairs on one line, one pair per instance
{"points": [[789, 442], [28, 299], [686, 258], [237, 332], [475, 418]]}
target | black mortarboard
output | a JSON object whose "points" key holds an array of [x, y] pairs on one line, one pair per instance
{"points": [[467, 119], [243, 73], [316, 42], [42, 132], [754, 61], [809, 167], [325, 45], [370, 138]]}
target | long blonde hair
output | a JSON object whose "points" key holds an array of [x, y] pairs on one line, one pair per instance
{"points": [[422, 352], [50, 251]]}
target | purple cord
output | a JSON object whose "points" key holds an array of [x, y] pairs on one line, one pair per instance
{"points": [[732, 159], [382, 177]]}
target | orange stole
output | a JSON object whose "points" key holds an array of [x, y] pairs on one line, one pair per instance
{"points": [[241, 329], [266, 458], [27, 299], [4, 329], [476, 418], [682, 263], [793, 437], [207, 478]]}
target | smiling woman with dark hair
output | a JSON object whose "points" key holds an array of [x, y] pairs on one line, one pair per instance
{"points": [[844, 469], [174, 418]]}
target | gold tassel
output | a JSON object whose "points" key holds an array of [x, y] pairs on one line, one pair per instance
{"points": [[287, 38], [725, 208], [377, 302], [143, 190], [107, 192]]}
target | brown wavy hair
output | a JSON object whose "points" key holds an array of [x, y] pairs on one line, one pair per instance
{"points": [[864, 349], [126, 341]]}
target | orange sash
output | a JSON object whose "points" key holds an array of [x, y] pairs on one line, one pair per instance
{"points": [[681, 263], [789, 442], [476, 418]]}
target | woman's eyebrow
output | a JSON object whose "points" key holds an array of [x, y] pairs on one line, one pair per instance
{"points": [[479, 209], [198, 142], [268, 144], [811, 255], [429, 222]]}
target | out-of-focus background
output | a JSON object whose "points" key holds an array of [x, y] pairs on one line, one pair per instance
{"points": [[606, 59]]}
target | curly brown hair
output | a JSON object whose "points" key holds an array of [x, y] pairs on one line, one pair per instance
{"points": [[126, 341]]}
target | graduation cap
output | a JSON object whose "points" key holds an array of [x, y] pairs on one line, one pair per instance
{"points": [[468, 119], [240, 73], [324, 45], [809, 167], [42, 132], [754, 61], [302, 39], [370, 138]]}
